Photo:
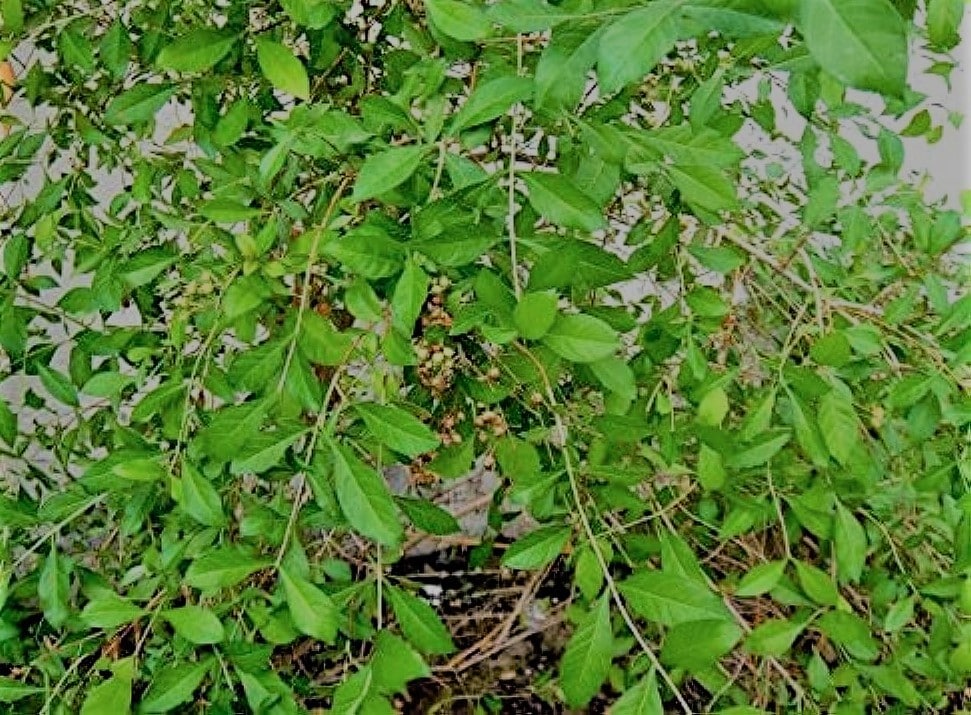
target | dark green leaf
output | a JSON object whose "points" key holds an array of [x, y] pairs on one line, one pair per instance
{"points": [[397, 429], [490, 100], [669, 599], [537, 548], [419, 623], [313, 612], [587, 657], [697, 645], [646, 34], [364, 498], [52, 589], [223, 568], [138, 104], [386, 170], [559, 200], [174, 686]]}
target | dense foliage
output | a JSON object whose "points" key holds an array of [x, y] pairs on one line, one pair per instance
{"points": [[650, 262]]}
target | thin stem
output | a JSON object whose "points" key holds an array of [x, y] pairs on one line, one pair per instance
{"points": [[615, 594], [511, 188], [307, 274], [56, 528]]}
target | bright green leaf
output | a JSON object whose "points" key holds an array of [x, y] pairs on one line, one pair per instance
{"points": [[196, 51], [582, 338], [281, 67]]}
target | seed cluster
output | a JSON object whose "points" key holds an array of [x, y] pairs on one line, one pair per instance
{"points": [[437, 365], [489, 423], [435, 314], [448, 433]]}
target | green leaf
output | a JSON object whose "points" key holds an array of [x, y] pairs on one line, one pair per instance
{"points": [[322, 343], [899, 615], [851, 632], [410, 293], [761, 579], [561, 73], [75, 49], [108, 610], [581, 338], [839, 425], [8, 424], [490, 100], [313, 612], [355, 696], [579, 264], [223, 568], [138, 104], [106, 384], [807, 433], [58, 385], [53, 589], [399, 430], [196, 624], [558, 200], [196, 51], [115, 49], [817, 584], [642, 699], [12, 14], [587, 657], [198, 498], [862, 43], [704, 188], [774, 637], [419, 623], [669, 599], [711, 468], [720, 259], [849, 545], [646, 35], [616, 375], [312, 14], [229, 211], [112, 697], [428, 517], [148, 469], [713, 407], [282, 68], [266, 450], [460, 19], [759, 451], [364, 498], [386, 170], [16, 253], [395, 663], [697, 645], [13, 690], [537, 548], [535, 314], [944, 22], [731, 22], [174, 686], [527, 15]]}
